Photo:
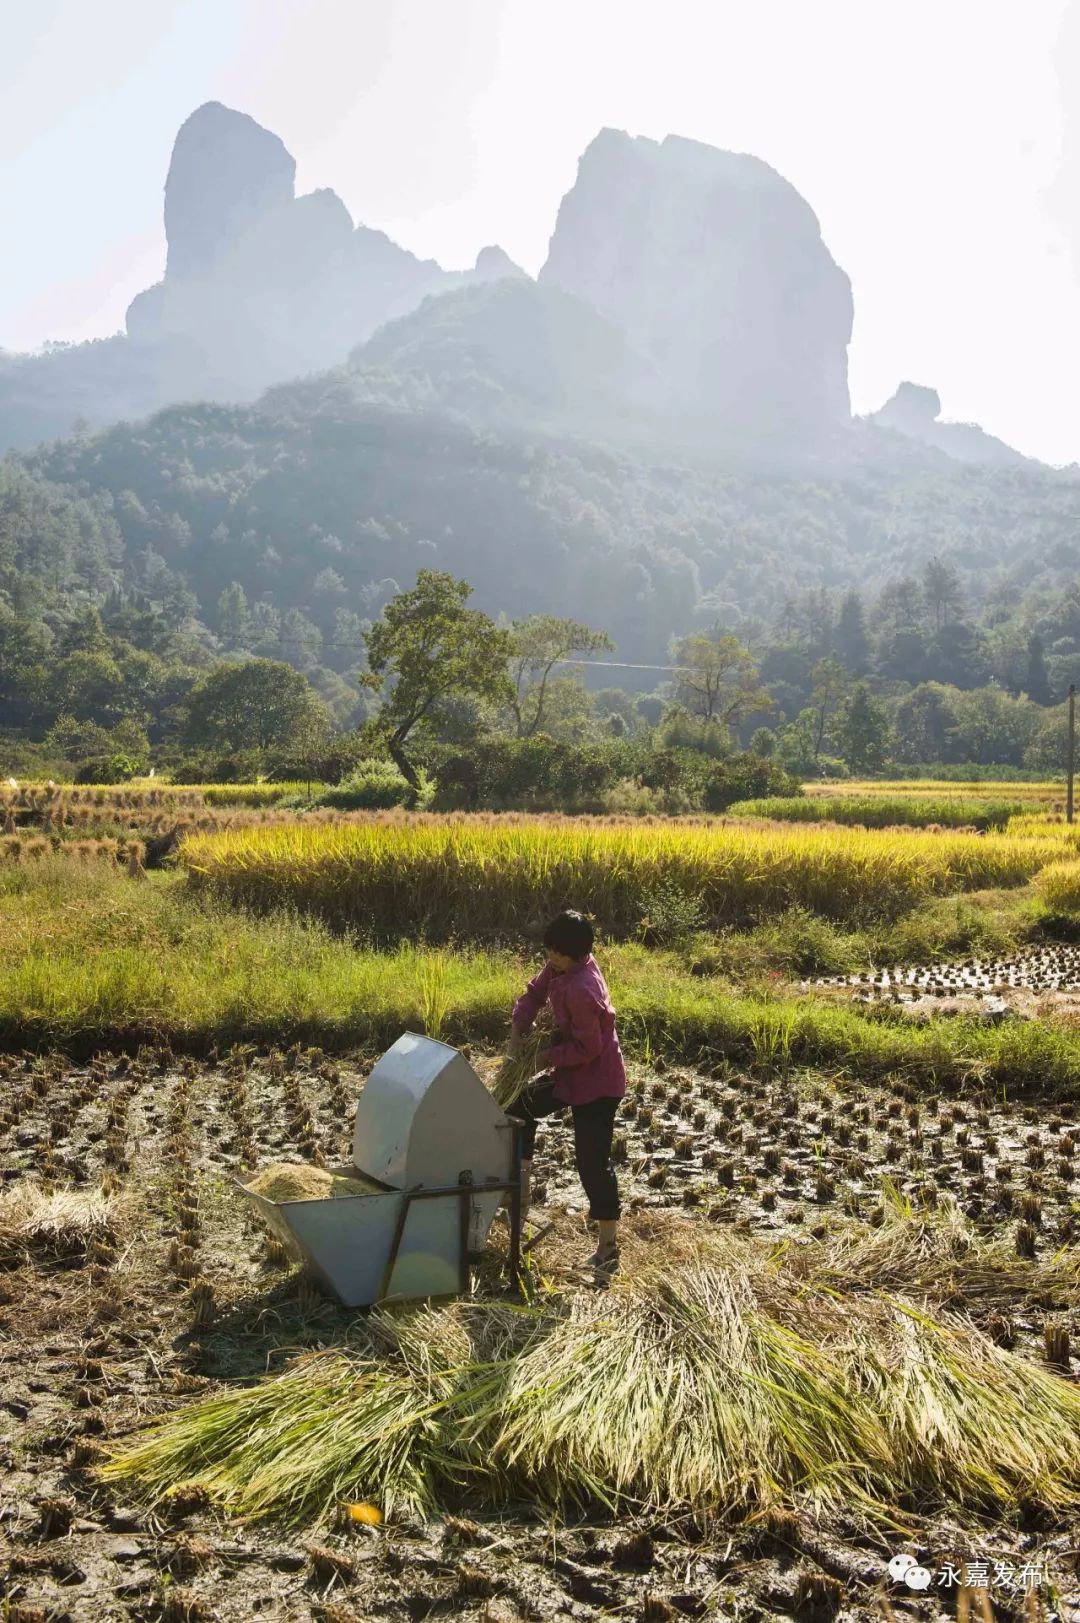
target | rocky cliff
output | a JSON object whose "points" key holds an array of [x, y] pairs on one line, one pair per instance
{"points": [[714, 268]]}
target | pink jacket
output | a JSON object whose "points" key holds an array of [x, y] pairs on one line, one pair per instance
{"points": [[588, 1063]]}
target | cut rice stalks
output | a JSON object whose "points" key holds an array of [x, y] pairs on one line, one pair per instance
{"points": [[717, 1374], [515, 1074], [52, 1225]]}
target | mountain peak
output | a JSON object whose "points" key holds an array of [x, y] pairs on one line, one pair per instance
{"points": [[713, 266], [494, 262], [225, 171]]}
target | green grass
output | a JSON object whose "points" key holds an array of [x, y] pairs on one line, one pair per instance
{"points": [[801, 944], [885, 811], [93, 958]]}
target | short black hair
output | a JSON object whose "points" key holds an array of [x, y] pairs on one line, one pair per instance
{"points": [[570, 933]]}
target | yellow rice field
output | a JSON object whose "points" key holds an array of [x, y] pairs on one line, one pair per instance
{"points": [[1049, 792], [459, 876]]}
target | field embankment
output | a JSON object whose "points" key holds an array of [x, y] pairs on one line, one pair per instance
{"points": [[93, 961]]}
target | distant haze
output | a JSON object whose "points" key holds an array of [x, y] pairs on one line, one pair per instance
{"points": [[938, 141]]}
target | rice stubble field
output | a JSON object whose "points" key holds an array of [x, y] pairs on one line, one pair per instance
{"points": [[833, 1220]]}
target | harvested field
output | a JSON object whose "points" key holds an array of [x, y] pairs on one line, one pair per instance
{"points": [[1054, 967], [180, 1297]]}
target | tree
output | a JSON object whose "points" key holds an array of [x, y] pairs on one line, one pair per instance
{"points": [[925, 724], [84, 634], [540, 642], [954, 656], [901, 655], [864, 732], [899, 606], [991, 727], [850, 641], [234, 617], [301, 639], [258, 704], [1038, 679], [87, 685], [717, 679], [428, 648], [831, 683], [942, 591]]}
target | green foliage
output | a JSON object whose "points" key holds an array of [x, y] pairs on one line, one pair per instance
{"points": [[670, 915], [258, 705], [863, 733], [538, 772], [116, 768], [372, 785], [430, 649], [717, 679], [744, 775], [129, 558], [538, 643]]}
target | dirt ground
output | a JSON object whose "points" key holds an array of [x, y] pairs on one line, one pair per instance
{"points": [[179, 1292]]}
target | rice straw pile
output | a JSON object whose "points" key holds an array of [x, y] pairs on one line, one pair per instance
{"points": [[718, 1374], [57, 1224], [298, 1180]]}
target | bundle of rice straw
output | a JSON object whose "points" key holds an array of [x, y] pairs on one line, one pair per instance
{"points": [[57, 1224], [718, 1373], [516, 1074], [298, 1180]]}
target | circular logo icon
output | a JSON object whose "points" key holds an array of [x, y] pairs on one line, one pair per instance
{"points": [[918, 1577], [900, 1564]]}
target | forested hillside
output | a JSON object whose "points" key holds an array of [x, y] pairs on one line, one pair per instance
{"points": [[313, 500]]}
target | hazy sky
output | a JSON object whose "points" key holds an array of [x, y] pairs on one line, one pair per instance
{"points": [[938, 142]]}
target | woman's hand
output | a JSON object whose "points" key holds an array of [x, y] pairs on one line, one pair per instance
{"points": [[543, 1057], [516, 1044]]}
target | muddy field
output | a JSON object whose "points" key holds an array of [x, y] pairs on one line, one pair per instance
{"points": [[1054, 967], [172, 1287]]}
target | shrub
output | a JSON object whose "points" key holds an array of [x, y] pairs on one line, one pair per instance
{"points": [[742, 777], [116, 768], [372, 786]]}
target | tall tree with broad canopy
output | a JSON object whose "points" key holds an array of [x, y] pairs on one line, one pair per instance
{"points": [[539, 643], [717, 679], [429, 648], [258, 704]]}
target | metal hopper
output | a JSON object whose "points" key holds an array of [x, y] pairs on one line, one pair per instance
{"points": [[430, 1134]]}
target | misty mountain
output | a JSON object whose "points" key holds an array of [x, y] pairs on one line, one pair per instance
{"points": [[688, 301], [259, 286], [915, 411], [653, 435]]}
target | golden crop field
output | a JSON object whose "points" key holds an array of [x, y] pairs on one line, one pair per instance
{"points": [[455, 876], [1045, 793]]}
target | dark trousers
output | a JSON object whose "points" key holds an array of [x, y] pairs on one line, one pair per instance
{"points": [[594, 1124]]}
